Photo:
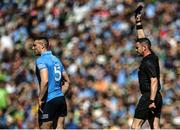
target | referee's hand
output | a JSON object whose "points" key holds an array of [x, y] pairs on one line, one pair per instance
{"points": [[138, 18], [138, 13], [152, 106]]}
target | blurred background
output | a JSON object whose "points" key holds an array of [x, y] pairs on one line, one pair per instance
{"points": [[95, 41]]}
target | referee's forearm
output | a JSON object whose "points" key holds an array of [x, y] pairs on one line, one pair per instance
{"points": [[139, 28], [154, 86]]}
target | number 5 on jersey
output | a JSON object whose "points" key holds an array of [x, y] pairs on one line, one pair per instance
{"points": [[57, 72]]}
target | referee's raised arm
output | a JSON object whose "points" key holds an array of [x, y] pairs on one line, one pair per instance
{"points": [[138, 19]]}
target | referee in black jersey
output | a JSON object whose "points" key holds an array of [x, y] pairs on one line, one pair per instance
{"points": [[150, 103]]}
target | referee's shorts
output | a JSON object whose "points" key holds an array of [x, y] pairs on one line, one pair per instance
{"points": [[53, 109], [142, 110]]}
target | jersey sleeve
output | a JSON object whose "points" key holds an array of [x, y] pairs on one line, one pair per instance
{"points": [[151, 69], [40, 64]]}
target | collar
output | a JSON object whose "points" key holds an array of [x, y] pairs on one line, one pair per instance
{"points": [[146, 57], [46, 53]]}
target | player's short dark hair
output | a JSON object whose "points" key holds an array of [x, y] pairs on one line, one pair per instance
{"points": [[46, 41], [144, 40]]}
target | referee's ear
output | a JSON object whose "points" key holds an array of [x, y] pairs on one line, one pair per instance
{"points": [[144, 48]]}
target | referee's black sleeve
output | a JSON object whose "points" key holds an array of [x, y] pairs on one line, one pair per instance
{"points": [[151, 69]]}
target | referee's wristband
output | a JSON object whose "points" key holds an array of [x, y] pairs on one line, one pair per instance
{"points": [[139, 27], [151, 101], [139, 21]]}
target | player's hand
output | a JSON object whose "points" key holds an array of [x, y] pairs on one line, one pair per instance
{"points": [[40, 102]]}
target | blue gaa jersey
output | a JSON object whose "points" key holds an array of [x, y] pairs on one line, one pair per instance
{"points": [[55, 68]]}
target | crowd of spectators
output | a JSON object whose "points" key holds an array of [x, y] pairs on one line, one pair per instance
{"points": [[95, 41]]}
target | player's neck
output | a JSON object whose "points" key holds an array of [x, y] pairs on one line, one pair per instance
{"points": [[43, 50]]}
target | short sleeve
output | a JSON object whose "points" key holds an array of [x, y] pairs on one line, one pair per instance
{"points": [[40, 64], [150, 68]]}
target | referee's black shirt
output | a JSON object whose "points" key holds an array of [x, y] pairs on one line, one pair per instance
{"points": [[149, 68]]}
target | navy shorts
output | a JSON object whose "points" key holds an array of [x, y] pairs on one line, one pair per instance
{"points": [[143, 112], [53, 109]]}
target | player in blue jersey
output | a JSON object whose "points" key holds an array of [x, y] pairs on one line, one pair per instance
{"points": [[53, 85]]}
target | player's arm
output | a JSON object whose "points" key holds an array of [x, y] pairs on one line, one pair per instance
{"points": [[43, 83], [66, 82], [138, 19]]}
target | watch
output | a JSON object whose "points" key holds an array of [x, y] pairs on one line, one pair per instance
{"points": [[151, 101]]}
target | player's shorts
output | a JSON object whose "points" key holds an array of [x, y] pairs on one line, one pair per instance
{"points": [[53, 109], [143, 112]]}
